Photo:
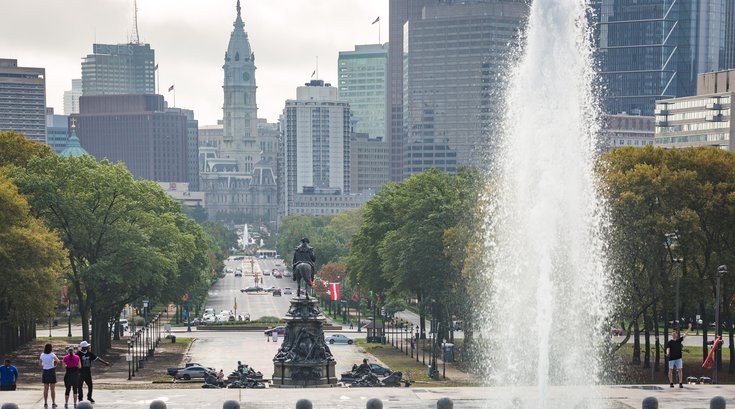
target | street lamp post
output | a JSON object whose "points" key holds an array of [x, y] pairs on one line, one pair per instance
{"points": [[145, 312], [129, 358], [417, 343], [68, 314], [721, 271]]}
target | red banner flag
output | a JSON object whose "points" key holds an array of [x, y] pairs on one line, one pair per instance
{"points": [[334, 291], [355, 297]]}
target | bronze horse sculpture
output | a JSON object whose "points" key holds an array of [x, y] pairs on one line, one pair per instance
{"points": [[303, 272]]}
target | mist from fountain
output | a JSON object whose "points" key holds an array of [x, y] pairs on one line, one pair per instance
{"points": [[547, 285]]}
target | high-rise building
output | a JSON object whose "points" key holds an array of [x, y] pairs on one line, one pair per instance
{"points": [[454, 55], [651, 50], [239, 182], [57, 130], [627, 130], [316, 134], [704, 119], [362, 83], [71, 97], [23, 100], [119, 69], [137, 130], [401, 11]]}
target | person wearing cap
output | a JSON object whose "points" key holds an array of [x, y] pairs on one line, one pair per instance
{"points": [[8, 376], [85, 375], [71, 377]]}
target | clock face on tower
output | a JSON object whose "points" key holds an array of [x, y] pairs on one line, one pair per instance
{"points": [[245, 76]]}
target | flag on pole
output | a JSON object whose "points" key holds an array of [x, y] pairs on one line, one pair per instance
{"points": [[376, 20], [334, 291], [313, 74], [171, 88]]}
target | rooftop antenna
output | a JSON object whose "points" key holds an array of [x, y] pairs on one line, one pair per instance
{"points": [[136, 37]]}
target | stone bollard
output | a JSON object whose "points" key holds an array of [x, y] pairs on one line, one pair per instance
{"points": [[444, 403], [231, 404], [650, 403], [9, 406], [156, 404], [84, 405], [718, 402], [374, 403], [303, 404]]}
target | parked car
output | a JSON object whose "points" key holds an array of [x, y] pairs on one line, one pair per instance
{"points": [[339, 339], [617, 331], [287, 290], [266, 273], [124, 325], [280, 330], [270, 289], [251, 290], [238, 273], [277, 292], [193, 372]]}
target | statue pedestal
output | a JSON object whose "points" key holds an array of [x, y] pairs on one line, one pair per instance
{"points": [[304, 359]]}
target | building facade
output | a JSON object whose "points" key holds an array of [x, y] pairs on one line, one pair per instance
{"points": [[137, 130], [628, 130], [700, 120], [454, 55], [401, 12], [192, 147], [71, 97], [23, 100], [316, 133], [369, 159], [652, 50], [119, 69], [362, 75], [238, 180], [57, 130]]}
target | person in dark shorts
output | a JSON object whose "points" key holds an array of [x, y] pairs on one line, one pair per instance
{"points": [[85, 374], [8, 376], [72, 364], [674, 354], [48, 363]]}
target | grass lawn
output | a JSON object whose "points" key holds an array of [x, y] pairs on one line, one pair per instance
{"points": [[397, 361]]}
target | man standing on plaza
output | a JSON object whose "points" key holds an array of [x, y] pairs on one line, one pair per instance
{"points": [[674, 354], [85, 374], [8, 376]]}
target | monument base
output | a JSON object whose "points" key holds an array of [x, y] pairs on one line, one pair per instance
{"points": [[303, 375]]}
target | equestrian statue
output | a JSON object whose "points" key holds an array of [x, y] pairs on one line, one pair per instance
{"points": [[303, 266]]}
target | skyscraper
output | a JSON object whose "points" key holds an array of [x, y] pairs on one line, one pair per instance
{"points": [[316, 127], [362, 83], [454, 57], [119, 69], [401, 11], [654, 49], [23, 100]]}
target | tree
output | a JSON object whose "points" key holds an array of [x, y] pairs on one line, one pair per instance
{"points": [[126, 239], [17, 150]]}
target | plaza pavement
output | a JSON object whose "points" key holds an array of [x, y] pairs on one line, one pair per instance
{"points": [[691, 397]]}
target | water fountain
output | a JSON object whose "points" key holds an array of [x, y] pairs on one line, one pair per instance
{"points": [[546, 260]]}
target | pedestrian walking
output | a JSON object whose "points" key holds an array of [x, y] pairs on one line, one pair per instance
{"points": [[674, 355], [8, 376], [72, 363], [274, 335], [86, 357], [49, 361]]}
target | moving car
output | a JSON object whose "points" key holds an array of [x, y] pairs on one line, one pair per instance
{"points": [[287, 273], [238, 273], [287, 290], [251, 290], [280, 330], [266, 273], [277, 292], [277, 274], [339, 339]]}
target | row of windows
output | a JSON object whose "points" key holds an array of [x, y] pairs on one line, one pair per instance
{"points": [[681, 116], [701, 126], [666, 140], [692, 103]]}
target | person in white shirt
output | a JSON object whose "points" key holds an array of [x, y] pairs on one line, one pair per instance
{"points": [[49, 361]]}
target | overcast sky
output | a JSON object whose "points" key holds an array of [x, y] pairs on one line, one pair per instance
{"points": [[190, 39]]}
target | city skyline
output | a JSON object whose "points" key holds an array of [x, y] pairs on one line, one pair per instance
{"points": [[190, 39]]}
